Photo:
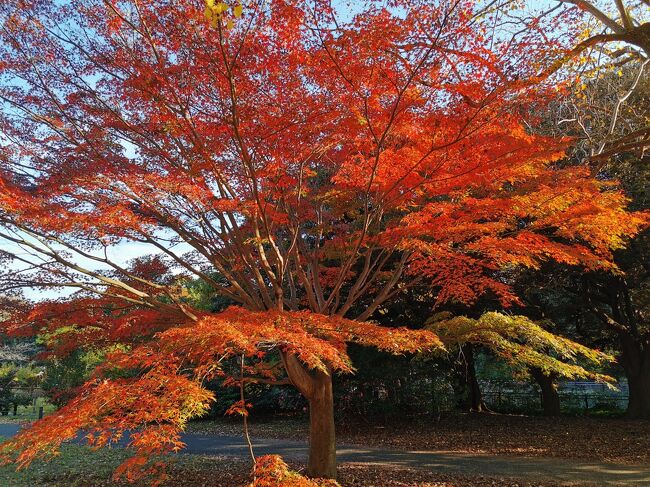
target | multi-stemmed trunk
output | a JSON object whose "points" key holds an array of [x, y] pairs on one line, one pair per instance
{"points": [[316, 386], [471, 396]]}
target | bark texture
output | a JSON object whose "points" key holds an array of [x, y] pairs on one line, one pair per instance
{"points": [[316, 386]]}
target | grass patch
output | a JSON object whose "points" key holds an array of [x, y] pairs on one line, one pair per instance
{"points": [[74, 466], [78, 466]]}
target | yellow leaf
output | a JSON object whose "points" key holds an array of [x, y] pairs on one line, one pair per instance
{"points": [[238, 10], [208, 13], [209, 3], [230, 24], [221, 7]]}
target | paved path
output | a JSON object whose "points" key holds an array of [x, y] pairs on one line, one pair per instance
{"points": [[560, 470]]}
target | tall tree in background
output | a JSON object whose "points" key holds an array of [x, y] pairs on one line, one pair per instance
{"points": [[320, 165], [608, 117], [618, 21], [613, 53], [611, 112], [612, 36]]}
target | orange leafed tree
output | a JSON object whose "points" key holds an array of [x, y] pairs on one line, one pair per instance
{"points": [[318, 162]]}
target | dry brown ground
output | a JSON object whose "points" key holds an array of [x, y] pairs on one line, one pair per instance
{"points": [[596, 439]]}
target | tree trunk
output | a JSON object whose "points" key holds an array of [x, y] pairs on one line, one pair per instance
{"points": [[322, 440], [550, 397], [316, 386], [472, 399], [635, 359]]}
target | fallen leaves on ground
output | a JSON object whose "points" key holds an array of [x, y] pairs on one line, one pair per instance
{"points": [[354, 475], [596, 439], [349, 475], [80, 466]]}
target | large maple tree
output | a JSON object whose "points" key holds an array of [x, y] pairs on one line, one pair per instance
{"points": [[307, 166]]}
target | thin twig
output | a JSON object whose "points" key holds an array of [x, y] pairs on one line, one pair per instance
{"points": [[245, 414]]}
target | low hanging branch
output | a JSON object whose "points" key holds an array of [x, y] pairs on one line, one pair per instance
{"points": [[523, 343]]}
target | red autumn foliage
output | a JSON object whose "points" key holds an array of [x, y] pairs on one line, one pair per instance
{"points": [[271, 471]]}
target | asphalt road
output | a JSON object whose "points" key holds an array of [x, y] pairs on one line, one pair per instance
{"points": [[549, 469]]}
